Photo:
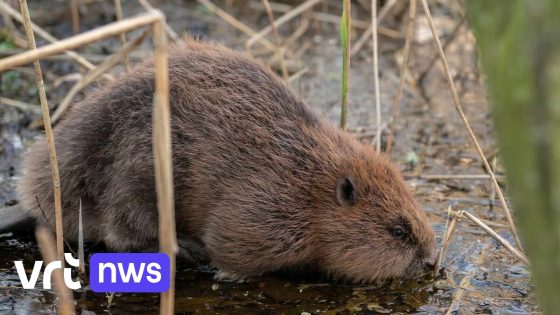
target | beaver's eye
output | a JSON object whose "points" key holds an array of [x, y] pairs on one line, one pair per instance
{"points": [[398, 232]]}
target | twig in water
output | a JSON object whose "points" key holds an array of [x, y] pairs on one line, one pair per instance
{"points": [[48, 251], [376, 74], [404, 66], [110, 297], [483, 226], [458, 294], [48, 132], [458, 108], [497, 237], [122, 36], [446, 239], [81, 255]]}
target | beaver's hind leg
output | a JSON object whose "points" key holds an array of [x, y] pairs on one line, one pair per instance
{"points": [[130, 218]]}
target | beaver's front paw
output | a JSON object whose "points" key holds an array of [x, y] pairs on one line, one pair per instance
{"points": [[228, 276]]}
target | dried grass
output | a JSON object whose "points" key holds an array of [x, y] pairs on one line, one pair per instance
{"points": [[48, 132], [161, 121], [459, 109]]}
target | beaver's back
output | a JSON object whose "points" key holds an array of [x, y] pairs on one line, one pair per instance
{"points": [[238, 132]]}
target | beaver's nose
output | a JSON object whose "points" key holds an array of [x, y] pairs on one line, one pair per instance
{"points": [[429, 262]]}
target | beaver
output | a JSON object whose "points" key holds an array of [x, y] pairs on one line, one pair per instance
{"points": [[262, 183]]}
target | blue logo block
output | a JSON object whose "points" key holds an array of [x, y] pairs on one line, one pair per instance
{"points": [[129, 272]]}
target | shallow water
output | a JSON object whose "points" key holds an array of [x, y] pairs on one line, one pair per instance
{"points": [[502, 290]]}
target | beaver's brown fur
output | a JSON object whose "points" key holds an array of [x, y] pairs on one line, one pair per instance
{"points": [[261, 182]]}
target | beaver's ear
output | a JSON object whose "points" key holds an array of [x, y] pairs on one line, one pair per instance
{"points": [[345, 191]]}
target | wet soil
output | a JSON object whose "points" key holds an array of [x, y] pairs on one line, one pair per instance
{"points": [[430, 139]]}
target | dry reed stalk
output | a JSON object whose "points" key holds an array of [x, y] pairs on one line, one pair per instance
{"points": [[71, 77], [48, 132], [367, 33], [410, 87], [487, 222], [329, 18], [235, 23], [280, 52], [446, 239], [170, 32], [302, 28], [75, 16], [449, 40], [376, 74], [95, 73], [17, 38], [404, 66], [449, 212], [302, 49], [459, 109], [298, 74], [280, 21], [122, 36], [314, 15], [47, 221], [20, 105], [45, 35], [467, 177], [465, 283], [161, 122], [133, 56], [498, 238], [161, 138], [81, 255], [493, 191], [47, 247], [458, 296], [79, 40]]}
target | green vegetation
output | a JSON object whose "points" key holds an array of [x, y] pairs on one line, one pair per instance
{"points": [[345, 42], [519, 44]]}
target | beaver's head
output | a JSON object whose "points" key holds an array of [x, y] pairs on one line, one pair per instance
{"points": [[372, 228]]}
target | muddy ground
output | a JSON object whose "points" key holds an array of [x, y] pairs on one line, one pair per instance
{"points": [[481, 276]]}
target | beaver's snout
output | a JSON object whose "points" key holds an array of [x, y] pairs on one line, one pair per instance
{"points": [[429, 263]]}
